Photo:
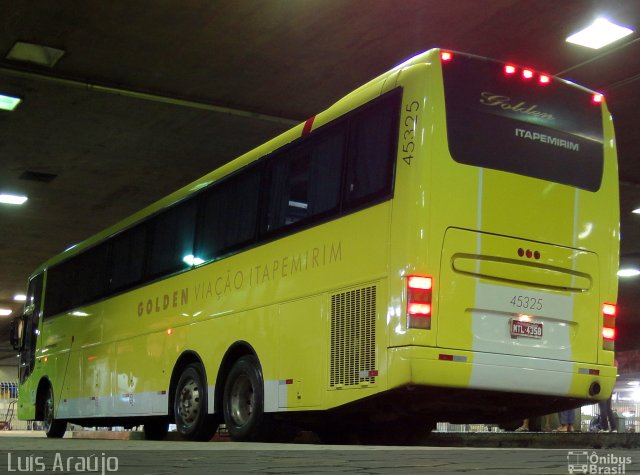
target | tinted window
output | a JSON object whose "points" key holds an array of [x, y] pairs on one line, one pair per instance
{"points": [[504, 122], [127, 258], [372, 143], [90, 269], [59, 291], [229, 213], [346, 164], [171, 240], [304, 181], [77, 281]]}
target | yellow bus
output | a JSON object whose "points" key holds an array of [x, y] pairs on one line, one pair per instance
{"points": [[439, 245]]}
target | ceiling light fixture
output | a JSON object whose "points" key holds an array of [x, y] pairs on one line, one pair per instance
{"points": [[8, 103], [12, 199], [34, 53], [5, 312], [636, 211], [628, 272], [20, 297], [600, 33]]}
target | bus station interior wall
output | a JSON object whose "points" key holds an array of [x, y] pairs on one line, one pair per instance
{"points": [[8, 372]]}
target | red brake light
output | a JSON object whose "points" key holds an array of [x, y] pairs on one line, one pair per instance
{"points": [[419, 308], [609, 309], [419, 282], [608, 333], [527, 73], [509, 69], [597, 98], [446, 56]]}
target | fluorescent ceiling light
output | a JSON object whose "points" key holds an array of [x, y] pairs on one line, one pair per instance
{"points": [[636, 211], [628, 272], [4, 312], [600, 33], [8, 103], [13, 199], [20, 298], [79, 314], [192, 260], [33, 53]]}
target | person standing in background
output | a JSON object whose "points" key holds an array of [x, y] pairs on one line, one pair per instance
{"points": [[608, 422]]}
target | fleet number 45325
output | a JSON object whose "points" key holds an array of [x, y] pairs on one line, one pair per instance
{"points": [[529, 303]]}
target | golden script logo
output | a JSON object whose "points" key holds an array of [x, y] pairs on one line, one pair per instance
{"points": [[490, 99]]}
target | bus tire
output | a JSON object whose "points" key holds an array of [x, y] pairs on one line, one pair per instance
{"points": [[156, 429], [243, 401], [190, 406], [53, 428]]}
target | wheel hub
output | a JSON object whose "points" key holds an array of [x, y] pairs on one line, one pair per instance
{"points": [[242, 400], [189, 403]]}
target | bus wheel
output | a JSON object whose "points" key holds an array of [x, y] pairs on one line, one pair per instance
{"points": [[190, 406], [54, 428], [243, 401], [156, 429]]}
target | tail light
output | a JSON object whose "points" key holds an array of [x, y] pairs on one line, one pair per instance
{"points": [[609, 311], [446, 56], [419, 292]]}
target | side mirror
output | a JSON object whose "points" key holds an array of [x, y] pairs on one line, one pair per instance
{"points": [[16, 333]]}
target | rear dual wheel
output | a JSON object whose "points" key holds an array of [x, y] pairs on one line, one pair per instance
{"points": [[243, 401], [190, 405], [243, 406]]}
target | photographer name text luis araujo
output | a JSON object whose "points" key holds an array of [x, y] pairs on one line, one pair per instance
{"points": [[60, 462]]}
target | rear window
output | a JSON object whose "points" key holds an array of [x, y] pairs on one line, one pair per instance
{"points": [[503, 121]]}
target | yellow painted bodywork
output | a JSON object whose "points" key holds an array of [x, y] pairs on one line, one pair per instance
{"points": [[460, 224]]}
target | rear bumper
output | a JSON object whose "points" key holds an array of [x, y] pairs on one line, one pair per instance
{"points": [[424, 366]]}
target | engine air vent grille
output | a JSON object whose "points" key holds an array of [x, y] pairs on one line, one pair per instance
{"points": [[353, 337]]}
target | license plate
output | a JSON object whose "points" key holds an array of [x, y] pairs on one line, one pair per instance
{"points": [[526, 329]]}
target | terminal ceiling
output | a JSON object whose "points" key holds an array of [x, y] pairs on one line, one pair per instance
{"points": [[148, 96]]}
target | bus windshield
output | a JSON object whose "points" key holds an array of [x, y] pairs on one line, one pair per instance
{"points": [[514, 119]]}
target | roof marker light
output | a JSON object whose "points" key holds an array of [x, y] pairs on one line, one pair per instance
{"points": [[544, 79], [527, 73], [446, 56], [509, 69], [598, 98]]}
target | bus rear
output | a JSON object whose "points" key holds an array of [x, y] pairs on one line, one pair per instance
{"points": [[517, 224]]}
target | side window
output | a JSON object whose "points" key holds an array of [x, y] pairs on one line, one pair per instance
{"points": [[171, 240], [90, 270], [34, 296], [127, 258], [77, 281], [228, 214], [372, 142], [304, 181], [59, 291]]}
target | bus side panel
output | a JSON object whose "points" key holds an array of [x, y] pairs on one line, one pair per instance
{"points": [[64, 338], [302, 343], [275, 298]]}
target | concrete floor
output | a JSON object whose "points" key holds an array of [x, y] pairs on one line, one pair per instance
{"points": [[20, 451]]}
